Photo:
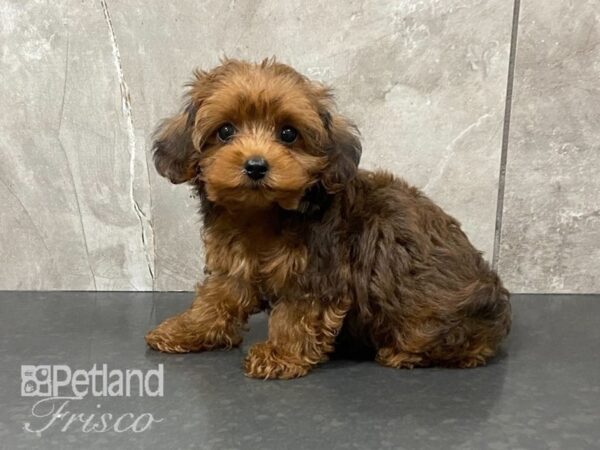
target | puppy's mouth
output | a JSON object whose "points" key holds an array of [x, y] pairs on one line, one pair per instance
{"points": [[256, 185], [260, 193]]}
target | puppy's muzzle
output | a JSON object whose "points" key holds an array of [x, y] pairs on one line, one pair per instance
{"points": [[256, 168]]}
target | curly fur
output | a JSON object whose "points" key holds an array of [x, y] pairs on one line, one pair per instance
{"points": [[340, 253]]}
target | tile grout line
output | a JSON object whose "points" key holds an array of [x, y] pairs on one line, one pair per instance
{"points": [[505, 133]]}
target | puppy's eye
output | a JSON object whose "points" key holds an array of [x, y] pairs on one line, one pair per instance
{"points": [[288, 134], [226, 132]]}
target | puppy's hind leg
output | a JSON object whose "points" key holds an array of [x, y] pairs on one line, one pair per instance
{"points": [[215, 319], [460, 346], [403, 346], [399, 359], [484, 319]]}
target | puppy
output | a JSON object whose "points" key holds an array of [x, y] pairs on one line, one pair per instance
{"points": [[334, 251]]}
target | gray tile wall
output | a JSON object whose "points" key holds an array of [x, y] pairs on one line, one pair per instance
{"points": [[550, 240], [83, 83]]}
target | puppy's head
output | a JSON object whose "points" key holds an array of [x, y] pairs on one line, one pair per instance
{"points": [[257, 135]]}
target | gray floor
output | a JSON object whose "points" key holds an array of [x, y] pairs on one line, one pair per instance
{"points": [[543, 391]]}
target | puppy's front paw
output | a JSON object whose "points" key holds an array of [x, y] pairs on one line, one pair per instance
{"points": [[164, 338], [156, 341], [263, 361], [179, 335]]}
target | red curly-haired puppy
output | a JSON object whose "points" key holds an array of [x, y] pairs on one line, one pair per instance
{"points": [[288, 217]]}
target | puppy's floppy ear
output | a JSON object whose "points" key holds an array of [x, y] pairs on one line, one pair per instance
{"points": [[174, 154], [344, 151]]}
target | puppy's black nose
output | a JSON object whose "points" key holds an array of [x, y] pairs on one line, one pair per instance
{"points": [[256, 168]]}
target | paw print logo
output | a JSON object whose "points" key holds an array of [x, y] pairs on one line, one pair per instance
{"points": [[35, 381]]}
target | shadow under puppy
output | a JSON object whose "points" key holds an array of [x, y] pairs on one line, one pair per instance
{"points": [[290, 218]]}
